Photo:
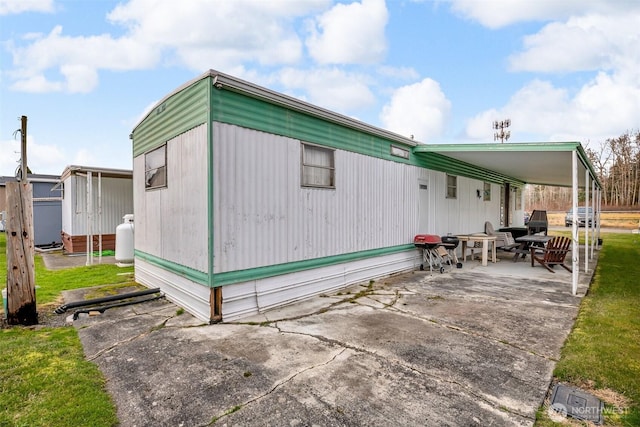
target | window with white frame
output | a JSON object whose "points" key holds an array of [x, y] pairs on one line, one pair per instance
{"points": [[155, 168], [452, 186], [487, 192], [318, 166]]}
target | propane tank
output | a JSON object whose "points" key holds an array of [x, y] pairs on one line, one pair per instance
{"points": [[124, 240]]}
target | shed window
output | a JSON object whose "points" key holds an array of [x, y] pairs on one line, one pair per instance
{"points": [[452, 186], [487, 192], [155, 168], [317, 166]]}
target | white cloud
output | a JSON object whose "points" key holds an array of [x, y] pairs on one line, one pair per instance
{"points": [[10, 158], [41, 158], [330, 88], [197, 34], [13, 7], [420, 109], [76, 60], [588, 42], [500, 13], [599, 110], [349, 34], [203, 35]]}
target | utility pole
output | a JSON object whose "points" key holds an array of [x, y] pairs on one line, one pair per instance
{"points": [[501, 134], [21, 291]]}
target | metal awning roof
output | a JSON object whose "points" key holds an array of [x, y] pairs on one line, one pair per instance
{"points": [[546, 163]]}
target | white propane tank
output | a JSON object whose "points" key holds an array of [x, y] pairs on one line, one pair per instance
{"points": [[124, 240]]}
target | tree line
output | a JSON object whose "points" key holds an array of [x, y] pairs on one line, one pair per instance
{"points": [[617, 164]]}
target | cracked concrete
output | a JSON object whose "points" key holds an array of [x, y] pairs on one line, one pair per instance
{"points": [[473, 347]]}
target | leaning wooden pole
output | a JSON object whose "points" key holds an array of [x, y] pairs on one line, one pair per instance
{"points": [[21, 292]]}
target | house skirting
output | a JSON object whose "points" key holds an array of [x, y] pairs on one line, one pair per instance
{"points": [[75, 244]]}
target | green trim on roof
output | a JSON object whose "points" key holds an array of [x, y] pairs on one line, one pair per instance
{"points": [[442, 163], [174, 115], [520, 146], [239, 109], [437, 150]]}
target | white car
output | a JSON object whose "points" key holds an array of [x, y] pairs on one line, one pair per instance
{"points": [[582, 217]]}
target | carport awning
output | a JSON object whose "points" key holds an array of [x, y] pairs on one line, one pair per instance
{"points": [[548, 163]]}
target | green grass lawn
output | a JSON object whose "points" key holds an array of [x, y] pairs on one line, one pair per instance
{"points": [[44, 377], [602, 353]]}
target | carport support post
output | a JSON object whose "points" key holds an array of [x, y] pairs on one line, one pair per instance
{"points": [[586, 225], [574, 226]]}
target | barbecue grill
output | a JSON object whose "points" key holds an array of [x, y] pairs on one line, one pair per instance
{"points": [[433, 252], [450, 243], [538, 222]]}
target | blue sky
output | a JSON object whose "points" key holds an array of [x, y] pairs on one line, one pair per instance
{"points": [[85, 72]]}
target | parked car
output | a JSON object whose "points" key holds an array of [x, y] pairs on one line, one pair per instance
{"points": [[582, 217]]}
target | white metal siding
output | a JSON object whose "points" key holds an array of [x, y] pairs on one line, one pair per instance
{"points": [[68, 204], [262, 215], [117, 201], [171, 223]]}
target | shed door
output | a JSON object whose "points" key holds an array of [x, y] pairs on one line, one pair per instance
{"points": [[423, 207]]}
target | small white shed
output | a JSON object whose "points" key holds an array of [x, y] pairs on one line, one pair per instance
{"points": [[94, 200]]}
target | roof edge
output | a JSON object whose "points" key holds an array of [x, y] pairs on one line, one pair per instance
{"points": [[225, 81]]}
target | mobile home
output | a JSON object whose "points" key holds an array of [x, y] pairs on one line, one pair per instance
{"points": [[247, 199]]}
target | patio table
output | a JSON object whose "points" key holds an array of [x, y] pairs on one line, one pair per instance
{"points": [[486, 241], [527, 241]]}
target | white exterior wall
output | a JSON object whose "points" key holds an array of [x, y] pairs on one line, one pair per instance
{"points": [[264, 217], [117, 201], [171, 222]]}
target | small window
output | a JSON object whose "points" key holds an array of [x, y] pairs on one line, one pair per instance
{"points": [[518, 196], [399, 152], [317, 166], [155, 168], [487, 192], [452, 187]]}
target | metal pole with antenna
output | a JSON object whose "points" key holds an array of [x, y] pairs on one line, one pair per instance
{"points": [[23, 149]]}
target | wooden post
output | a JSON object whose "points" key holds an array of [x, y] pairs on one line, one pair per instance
{"points": [[21, 292]]}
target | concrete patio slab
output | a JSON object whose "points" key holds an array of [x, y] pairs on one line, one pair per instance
{"points": [[476, 346]]}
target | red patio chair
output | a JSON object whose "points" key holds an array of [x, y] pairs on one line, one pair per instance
{"points": [[553, 253]]}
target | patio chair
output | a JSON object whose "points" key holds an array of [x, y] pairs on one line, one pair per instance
{"points": [[553, 254], [504, 239]]}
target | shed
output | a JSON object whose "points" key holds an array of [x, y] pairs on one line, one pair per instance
{"points": [[47, 208], [247, 199], [93, 204]]}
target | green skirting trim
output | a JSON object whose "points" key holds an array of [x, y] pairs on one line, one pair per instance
{"points": [[239, 276], [181, 270]]}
